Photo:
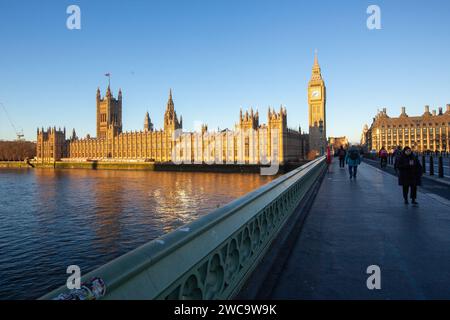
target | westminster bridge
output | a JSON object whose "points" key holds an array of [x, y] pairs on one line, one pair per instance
{"points": [[310, 234]]}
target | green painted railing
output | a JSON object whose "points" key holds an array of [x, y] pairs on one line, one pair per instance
{"points": [[211, 257]]}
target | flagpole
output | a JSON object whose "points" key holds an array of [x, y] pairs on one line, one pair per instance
{"points": [[109, 78]]}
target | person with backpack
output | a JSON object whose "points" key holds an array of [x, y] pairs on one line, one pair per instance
{"points": [[383, 154], [353, 160], [410, 174], [341, 154]]}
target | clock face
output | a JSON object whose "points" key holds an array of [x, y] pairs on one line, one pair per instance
{"points": [[315, 93]]}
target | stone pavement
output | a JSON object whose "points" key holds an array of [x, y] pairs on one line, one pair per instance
{"points": [[356, 224]]}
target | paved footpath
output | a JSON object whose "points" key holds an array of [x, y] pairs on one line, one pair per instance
{"points": [[355, 224]]}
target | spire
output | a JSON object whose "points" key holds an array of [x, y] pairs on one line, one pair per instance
{"points": [[148, 125], [108, 91], [316, 59], [170, 104], [316, 72]]}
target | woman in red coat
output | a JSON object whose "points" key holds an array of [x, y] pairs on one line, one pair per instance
{"points": [[328, 156]]}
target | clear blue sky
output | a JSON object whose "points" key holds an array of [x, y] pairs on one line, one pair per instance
{"points": [[218, 56]]}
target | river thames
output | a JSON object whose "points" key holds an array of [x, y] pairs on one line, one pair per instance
{"points": [[50, 219]]}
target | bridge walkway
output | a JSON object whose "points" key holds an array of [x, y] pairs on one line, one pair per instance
{"points": [[354, 224]]}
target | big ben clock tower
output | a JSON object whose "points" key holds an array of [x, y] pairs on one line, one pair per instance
{"points": [[317, 116]]}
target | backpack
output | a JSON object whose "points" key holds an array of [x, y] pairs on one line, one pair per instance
{"points": [[383, 153], [353, 154], [341, 153]]}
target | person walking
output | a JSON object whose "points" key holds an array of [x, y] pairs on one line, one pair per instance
{"points": [[353, 160], [410, 174], [383, 154], [341, 154], [396, 155], [328, 158]]}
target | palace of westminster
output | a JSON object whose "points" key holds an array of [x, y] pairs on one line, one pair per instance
{"points": [[249, 143]]}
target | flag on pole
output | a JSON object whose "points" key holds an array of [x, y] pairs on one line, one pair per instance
{"points": [[109, 78]]}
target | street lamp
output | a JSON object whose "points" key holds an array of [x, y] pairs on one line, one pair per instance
{"points": [[322, 143]]}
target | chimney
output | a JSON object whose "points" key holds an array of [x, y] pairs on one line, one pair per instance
{"points": [[448, 108], [434, 112], [384, 110], [440, 111], [403, 110], [427, 109]]}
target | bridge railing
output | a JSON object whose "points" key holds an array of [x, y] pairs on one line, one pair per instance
{"points": [[212, 257]]}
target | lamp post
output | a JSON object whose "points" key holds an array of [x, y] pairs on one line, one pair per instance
{"points": [[321, 142]]}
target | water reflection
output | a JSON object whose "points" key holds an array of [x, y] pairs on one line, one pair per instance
{"points": [[50, 219]]}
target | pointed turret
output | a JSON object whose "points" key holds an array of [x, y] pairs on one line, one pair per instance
{"points": [[148, 125], [74, 135], [171, 121], [108, 91], [170, 104]]}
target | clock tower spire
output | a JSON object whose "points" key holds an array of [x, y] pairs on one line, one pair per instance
{"points": [[316, 108]]}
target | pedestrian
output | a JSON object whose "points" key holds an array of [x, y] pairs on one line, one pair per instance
{"points": [[328, 155], [353, 160], [383, 154], [410, 174], [396, 155], [328, 158], [341, 154]]}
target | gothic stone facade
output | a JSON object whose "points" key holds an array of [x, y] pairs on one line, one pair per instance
{"points": [[428, 132], [248, 143]]}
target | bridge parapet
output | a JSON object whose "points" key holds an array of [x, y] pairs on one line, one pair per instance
{"points": [[212, 257]]}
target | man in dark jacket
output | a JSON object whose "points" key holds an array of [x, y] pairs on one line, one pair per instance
{"points": [[410, 174], [342, 153]]}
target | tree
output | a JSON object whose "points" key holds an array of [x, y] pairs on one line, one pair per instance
{"points": [[17, 150]]}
